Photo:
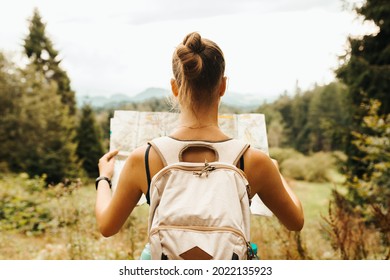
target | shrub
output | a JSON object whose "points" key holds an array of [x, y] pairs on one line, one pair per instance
{"points": [[20, 210], [320, 165], [26, 205], [23, 215], [282, 154], [314, 168]]}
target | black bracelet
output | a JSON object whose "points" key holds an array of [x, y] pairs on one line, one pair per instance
{"points": [[98, 179]]}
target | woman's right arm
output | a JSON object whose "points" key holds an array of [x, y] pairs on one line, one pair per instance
{"points": [[112, 210], [266, 180]]}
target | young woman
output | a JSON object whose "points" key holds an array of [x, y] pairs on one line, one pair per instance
{"points": [[198, 85]]}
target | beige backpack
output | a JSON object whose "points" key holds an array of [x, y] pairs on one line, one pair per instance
{"points": [[199, 211]]}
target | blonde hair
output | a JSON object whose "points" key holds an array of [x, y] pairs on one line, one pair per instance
{"points": [[198, 66]]}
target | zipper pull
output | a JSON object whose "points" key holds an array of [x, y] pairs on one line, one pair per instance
{"points": [[206, 169]]}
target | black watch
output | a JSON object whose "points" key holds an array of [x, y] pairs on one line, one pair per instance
{"points": [[98, 179]]}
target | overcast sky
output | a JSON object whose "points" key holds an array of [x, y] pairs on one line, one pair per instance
{"points": [[120, 46]]}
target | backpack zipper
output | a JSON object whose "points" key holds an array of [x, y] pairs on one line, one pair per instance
{"points": [[201, 168], [249, 252]]}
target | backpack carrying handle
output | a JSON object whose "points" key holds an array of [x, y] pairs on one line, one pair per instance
{"points": [[198, 145], [171, 150]]}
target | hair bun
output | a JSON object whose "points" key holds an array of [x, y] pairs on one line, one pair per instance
{"points": [[193, 41], [198, 65], [189, 56]]}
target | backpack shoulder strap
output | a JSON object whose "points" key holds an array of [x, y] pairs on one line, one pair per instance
{"points": [[168, 149], [147, 169], [231, 151]]}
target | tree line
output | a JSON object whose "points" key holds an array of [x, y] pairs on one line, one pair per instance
{"points": [[309, 121]]}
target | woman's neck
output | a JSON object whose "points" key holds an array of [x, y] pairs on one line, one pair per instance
{"points": [[202, 125], [199, 119]]}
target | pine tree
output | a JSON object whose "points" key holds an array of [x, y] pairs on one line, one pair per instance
{"points": [[366, 72], [39, 48], [89, 136], [46, 134], [45, 131], [10, 94], [299, 131], [36, 132], [327, 118]]}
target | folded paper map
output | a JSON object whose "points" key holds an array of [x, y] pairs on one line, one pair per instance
{"points": [[131, 129]]}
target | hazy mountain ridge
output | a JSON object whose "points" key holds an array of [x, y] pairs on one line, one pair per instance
{"points": [[230, 98]]}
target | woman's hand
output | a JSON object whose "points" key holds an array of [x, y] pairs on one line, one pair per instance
{"points": [[106, 164]]}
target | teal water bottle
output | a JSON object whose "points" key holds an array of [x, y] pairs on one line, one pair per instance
{"points": [[146, 255], [254, 250]]}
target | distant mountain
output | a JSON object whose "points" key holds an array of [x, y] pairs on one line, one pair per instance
{"points": [[249, 101], [151, 93], [119, 98], [230, 98], [100, 101]]}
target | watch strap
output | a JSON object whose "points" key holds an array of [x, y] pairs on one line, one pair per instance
{"points": [[100, 178]]}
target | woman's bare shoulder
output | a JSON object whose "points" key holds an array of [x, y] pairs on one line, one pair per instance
{"points": [[137, 163], [139, 152], [256, 157], [135, 160], [259, 168]]}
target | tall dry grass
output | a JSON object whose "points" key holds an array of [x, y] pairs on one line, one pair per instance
{"points": [[68, 230]]}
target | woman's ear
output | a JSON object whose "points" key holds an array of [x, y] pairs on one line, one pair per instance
{"points": [[174, 88], [222, 86]]}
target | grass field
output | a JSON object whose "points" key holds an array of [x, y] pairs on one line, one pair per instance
{"points": [[73, 234], [277, 243]]}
